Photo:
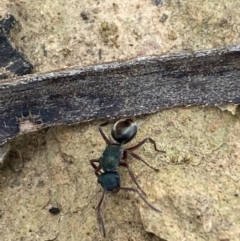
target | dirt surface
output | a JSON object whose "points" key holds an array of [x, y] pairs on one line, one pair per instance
{"points": [[197, 187], [57, 34]]}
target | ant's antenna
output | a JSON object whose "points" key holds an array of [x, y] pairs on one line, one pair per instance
{"points": [[100, 219]]}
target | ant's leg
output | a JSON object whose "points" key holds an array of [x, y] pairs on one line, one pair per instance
{"points": [[127, 151], [142, 197], [102, 133], [97, 168], [124, 164], [100, 219], [92, 163], [143, 142]]}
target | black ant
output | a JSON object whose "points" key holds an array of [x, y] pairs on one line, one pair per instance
{"points": [[114, 156]]}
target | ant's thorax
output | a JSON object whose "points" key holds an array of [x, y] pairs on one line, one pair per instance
{"points": [[111, 157]]}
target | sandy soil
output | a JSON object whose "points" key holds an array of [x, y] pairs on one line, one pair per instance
{"points": [[51, 168]]}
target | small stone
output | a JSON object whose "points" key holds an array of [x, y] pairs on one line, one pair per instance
{"points": [[157, 2], [84, 15], [163, 18]]}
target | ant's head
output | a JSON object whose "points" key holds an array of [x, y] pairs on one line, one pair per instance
{"points": [[123, 131], [110, 181]]}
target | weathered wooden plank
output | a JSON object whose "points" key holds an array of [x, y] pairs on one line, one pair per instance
{"points": [[140, 86], [12, 62]]}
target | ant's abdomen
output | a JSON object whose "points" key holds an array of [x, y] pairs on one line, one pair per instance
{"points": [[123, 131]]}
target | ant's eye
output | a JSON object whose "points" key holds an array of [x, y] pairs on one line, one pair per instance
{"points": [[123, 131]]}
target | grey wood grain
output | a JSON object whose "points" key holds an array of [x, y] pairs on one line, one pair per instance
{"points": [[139, 86]]}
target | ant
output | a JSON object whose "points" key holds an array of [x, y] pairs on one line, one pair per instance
{"points": [[123, 131]]}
